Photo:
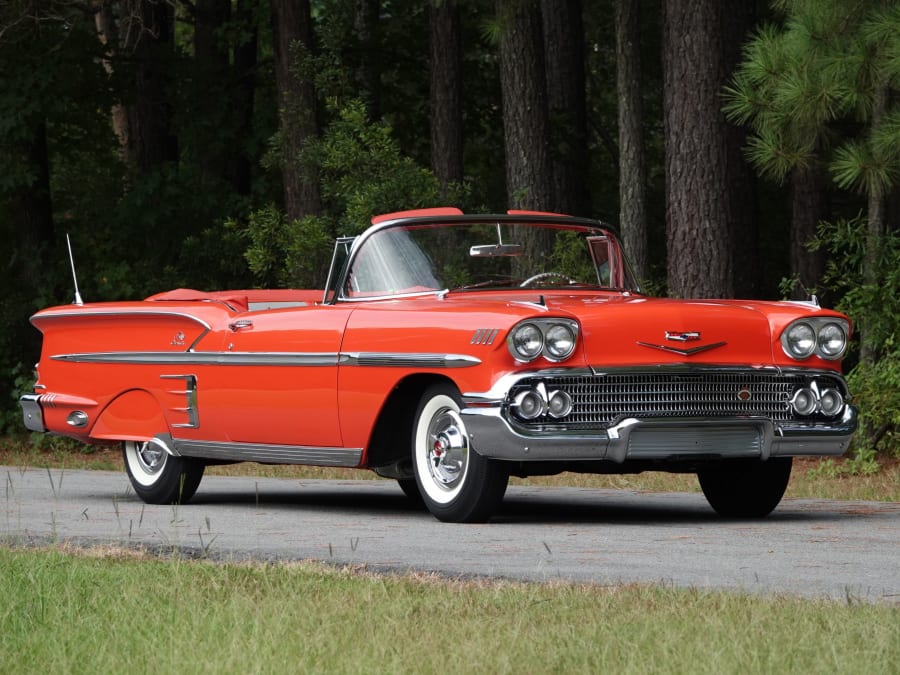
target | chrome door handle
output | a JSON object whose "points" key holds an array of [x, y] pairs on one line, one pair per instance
{"points": [[235, 326]]}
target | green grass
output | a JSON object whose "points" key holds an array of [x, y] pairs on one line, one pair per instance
{"points": [[61, 612]]}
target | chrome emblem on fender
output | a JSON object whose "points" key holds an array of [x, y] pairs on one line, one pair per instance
{"points": [[682, 336], [178, 340]]}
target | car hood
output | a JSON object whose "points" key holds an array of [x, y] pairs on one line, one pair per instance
{"points": [[640, 331]]}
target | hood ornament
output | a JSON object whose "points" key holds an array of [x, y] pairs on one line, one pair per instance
{"points": [[682, 336]]}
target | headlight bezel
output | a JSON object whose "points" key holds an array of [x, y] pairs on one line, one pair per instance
{"points": [[817, 327], [553, 332]]}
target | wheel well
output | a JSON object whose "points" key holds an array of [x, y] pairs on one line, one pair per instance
{"points": [[134, 415], [392, 434]]}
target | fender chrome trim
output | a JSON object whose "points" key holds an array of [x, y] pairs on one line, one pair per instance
{"points": [[206, 358], [309, 359], [413, 360], [279, 454]]}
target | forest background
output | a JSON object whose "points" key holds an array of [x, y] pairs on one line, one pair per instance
{"points": [[742, 149]]}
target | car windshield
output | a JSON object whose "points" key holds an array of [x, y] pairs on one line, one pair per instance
{"points": [[404, 259]]}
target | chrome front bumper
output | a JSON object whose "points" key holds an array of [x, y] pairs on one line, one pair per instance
{"points": [[491, 435]]}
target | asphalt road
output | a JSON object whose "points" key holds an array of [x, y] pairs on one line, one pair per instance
{"points": [[813, 548]]}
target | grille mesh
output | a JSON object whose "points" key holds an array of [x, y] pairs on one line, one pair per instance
{"points": [[600, 401]]}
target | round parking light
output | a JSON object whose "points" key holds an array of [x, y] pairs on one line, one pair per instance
{"points": [[529, 405], [805, 401], [559, 404], [831, 402]]}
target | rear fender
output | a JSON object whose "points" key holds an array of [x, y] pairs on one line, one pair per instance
{"points": [[133, 416]]}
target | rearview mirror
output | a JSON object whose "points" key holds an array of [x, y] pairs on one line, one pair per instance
{"points": [[496, 251]]}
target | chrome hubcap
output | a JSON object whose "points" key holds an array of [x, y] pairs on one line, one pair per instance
{"points": [[448, 450], [151, 457]]}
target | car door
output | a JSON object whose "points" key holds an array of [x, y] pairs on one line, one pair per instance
{"points": [[275, 379]]}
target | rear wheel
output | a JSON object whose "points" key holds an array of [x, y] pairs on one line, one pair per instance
{"points": [[158, 477], [456, 483], [749, 489]]}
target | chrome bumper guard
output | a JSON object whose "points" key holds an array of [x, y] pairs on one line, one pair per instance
{"points": [[491, 435], [32, 413]]}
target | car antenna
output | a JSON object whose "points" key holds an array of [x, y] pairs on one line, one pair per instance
{"points": [[77, 300]]}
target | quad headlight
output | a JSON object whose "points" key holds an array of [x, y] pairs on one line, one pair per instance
{"points": [[554, 338], [823, 336]]}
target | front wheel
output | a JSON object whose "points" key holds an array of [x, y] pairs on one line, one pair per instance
{"points": [[456, 483], [750, 489], [158, 477]]}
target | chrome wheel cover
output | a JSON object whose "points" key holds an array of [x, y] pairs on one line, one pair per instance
{"points": [[151, 458], [448, 449], [146, 460]]}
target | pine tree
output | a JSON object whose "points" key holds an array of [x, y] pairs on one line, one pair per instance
{"points": [[823, 88]]}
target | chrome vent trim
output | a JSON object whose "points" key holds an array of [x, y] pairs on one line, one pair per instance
{"points": [[484, 336]]}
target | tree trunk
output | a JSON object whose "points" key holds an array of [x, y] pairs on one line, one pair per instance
{"points": [[868, 350], [446, 93], [31, 207], [525, 112], [292, 31], [736, 18], [108, 34], [564, 52], [211, 61], [368, 62], [697, 210], [632, 163], [148, 33], [244, 74], [809, 206]]}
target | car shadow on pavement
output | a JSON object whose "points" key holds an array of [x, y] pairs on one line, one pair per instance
{"points": [[521, 506]]}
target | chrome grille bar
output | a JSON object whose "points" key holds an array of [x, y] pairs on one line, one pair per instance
{"points": [[600, 401]]}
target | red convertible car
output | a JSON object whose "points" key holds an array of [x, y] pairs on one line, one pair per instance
{"points": [[448, 352]]}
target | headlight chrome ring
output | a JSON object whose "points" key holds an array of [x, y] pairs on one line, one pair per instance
{"points": [[825, 337], [554, 338]]}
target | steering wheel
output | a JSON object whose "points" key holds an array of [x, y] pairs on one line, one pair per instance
{"points": [[546, 275]]}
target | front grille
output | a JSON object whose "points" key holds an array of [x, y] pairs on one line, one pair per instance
{"points": [[600, 401]]}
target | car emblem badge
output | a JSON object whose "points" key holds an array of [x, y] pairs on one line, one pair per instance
{"points": [[682, 336], [744, 394]]}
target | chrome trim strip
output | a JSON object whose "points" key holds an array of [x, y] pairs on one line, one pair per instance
{"points": [[393, 296], [276, 454], [389, 359], [85, 311], [206, 358], [413, 360]]}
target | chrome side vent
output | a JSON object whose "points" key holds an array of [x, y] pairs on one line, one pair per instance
{"points": [[190, 396], [484, 336]]}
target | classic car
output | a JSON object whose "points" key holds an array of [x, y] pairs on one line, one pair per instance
{"points": [[449, 352]]}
